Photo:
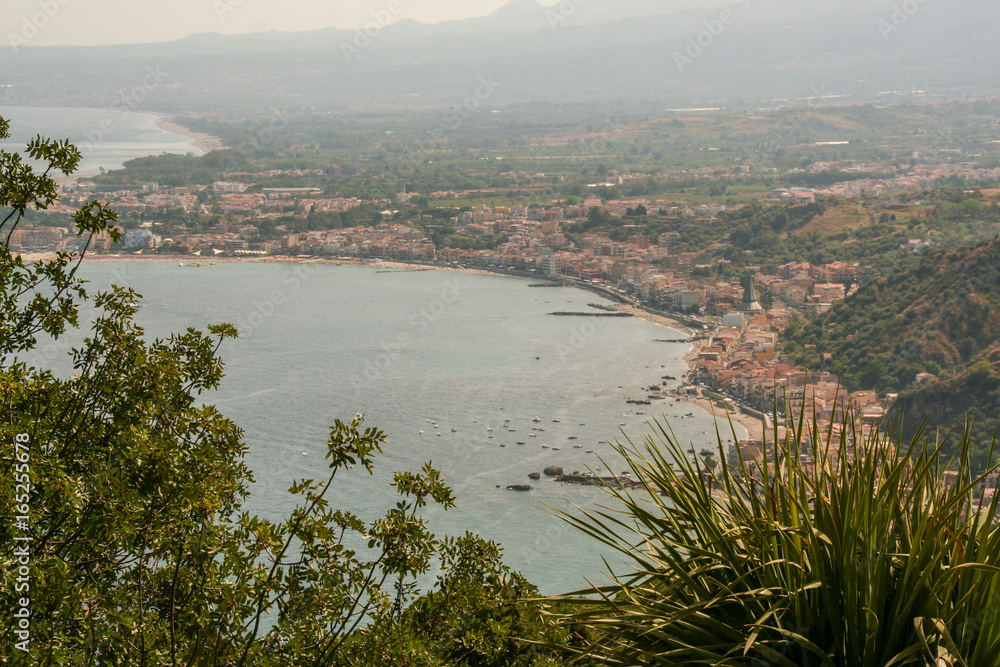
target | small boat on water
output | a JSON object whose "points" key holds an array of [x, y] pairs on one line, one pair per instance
{"points": [[555, 449], [520, 442], [590, 451], [536, 420], [489, 429], [545, 446], [512, 430], [532, 435], [506, 420], [578, 446], [420, 432], [572, 437], [555, 421], [454, 430]]}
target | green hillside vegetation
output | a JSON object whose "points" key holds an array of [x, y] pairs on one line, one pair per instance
{"points": [[769, 235], [941, 316], [938, 317], [946, 403]]}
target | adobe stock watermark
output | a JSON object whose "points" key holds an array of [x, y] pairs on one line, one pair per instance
{"points": [[55, 349], [698, 44], [130, 101], [262, 138], [561, 12], [454, 118], [22, 523], [899, 16], [367, 34], [224, 7], [793, 121], [32, 25], [267, 308], [797, 119], [613, 129], [459, 113], [390, 352], [579, 337]]}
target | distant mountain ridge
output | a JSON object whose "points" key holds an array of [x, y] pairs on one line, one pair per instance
{"points": [[731, 53]]}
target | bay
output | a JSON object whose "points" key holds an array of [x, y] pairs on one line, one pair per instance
{"points": [[107, 138], [411, 349]]}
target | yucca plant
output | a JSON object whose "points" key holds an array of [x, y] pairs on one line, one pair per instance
{"points": [[840, 547]]}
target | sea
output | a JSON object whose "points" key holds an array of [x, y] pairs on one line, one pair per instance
{"points": [[106, 138], [457, 368]]}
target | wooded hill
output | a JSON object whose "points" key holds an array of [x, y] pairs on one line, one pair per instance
{"points": [[942, 317]]}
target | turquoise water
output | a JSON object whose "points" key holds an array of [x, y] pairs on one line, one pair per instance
{"points": [[320, 342], [105, 137]]}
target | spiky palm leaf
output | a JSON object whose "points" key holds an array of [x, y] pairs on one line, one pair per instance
{"points": [[865, 555]]}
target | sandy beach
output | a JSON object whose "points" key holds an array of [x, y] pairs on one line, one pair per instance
{"points": [[203, 142]]}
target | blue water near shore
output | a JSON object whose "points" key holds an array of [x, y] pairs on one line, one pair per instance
{"points": [[106, 138], [321, 342]]}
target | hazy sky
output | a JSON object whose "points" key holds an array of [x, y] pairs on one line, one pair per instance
{"points": [[61, 22]]}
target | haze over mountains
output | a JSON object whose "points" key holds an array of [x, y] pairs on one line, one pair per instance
{"points": [[751, 52]]}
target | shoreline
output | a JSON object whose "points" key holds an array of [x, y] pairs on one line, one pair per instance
{"points": [[753, 426], [206, 143]]}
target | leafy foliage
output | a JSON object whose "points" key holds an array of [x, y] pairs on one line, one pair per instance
{"points": [[830, 548], [139, 551]]}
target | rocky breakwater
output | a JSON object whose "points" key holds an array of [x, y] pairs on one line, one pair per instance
{"points": [[623, 481]]}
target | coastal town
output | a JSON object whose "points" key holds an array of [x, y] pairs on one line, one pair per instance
{"points": [[737, 362]]}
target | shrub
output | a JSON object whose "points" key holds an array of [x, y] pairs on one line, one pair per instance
{"points": [[829, 548]]}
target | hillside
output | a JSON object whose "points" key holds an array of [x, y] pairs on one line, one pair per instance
{"points": [[941, 316], [946, 403]]}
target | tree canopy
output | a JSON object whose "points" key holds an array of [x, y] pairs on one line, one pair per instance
{"points": [[130, 546]]}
